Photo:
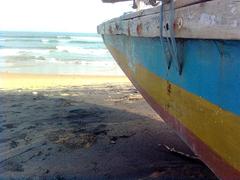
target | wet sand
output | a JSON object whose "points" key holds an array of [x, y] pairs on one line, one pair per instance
{"points": [[90, 127]]}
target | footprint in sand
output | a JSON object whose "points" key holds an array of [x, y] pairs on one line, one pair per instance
{"points": [[13, 166], [9, 126], [13, 144]]}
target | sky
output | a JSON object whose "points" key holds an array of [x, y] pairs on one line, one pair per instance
{"points": [[57, 15]]}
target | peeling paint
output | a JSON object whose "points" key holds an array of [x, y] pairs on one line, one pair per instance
{"points": [[139, 29], [116, 26], [233, 8], [207, 19], [178, 24], [234, 23], [129, 31], [110, 30], [169, 88]]}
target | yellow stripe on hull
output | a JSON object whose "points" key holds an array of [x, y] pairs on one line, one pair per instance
{"points": [[217, 128]]}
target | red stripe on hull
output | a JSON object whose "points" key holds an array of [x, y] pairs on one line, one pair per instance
{"points": [[207, 155]]}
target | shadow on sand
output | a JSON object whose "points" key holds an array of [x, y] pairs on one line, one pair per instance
{"points": [[49, 135]]}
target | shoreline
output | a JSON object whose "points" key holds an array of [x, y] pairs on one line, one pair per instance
{"points": [[9, 81]]}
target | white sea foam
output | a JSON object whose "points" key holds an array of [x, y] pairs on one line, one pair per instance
{"points": [[94, 63], [44, 41], [86, 39], [15, 51], [36, 51], [9, 52], [101, 63], [80, 50], [63, 37], [56, 53]]}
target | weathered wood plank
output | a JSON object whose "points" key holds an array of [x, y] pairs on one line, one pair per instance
{"points": [[183, 3], [178, 3], [218, 19], [114, 1], [154, 10]]}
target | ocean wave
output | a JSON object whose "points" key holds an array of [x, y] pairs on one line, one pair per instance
{"points": [[44, 40], [19, 52], [81, 62], [84, 42], [9, 52], [30, 36], [21, 58], [40, 47], [22, 40], [55, 53], [86, 39], [80, 50], [53, 41], [64, 37], [49, 41], [25, 58]]}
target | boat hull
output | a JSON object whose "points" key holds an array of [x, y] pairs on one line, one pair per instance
{"points": [[201, 103]]}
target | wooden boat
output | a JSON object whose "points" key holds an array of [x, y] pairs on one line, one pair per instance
{"points": [[184, 58]]}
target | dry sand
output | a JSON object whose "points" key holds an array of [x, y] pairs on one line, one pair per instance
{"points": [[31, 81], [88, 127]]}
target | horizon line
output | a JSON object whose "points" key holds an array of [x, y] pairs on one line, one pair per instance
{"points": [[46, 31]]}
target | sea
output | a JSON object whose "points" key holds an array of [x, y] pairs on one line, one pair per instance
{"points": [[56, 53]]}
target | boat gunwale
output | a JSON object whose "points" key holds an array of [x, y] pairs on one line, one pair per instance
{"points": [[214, 19]]}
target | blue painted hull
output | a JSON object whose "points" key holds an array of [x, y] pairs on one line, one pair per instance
{"points": [[201, 102], [211, 68]]}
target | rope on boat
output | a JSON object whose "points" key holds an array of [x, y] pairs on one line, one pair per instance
{"points": [[170, 50], [166, 50]]}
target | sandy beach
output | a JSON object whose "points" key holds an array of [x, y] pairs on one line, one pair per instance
{"points": [[91, 127]]}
